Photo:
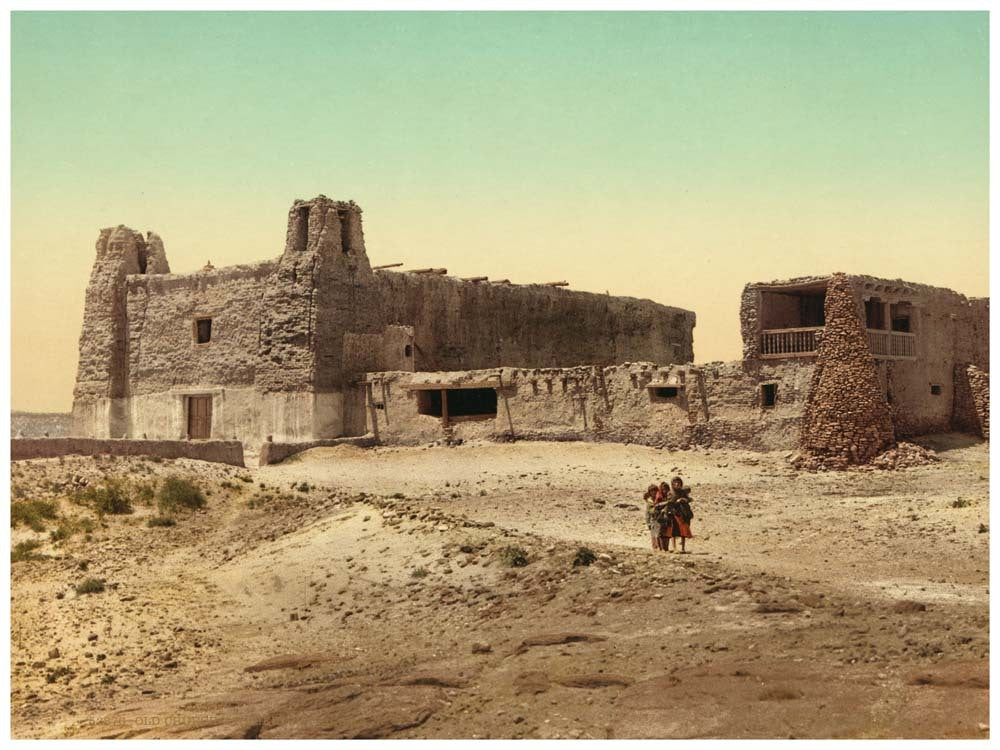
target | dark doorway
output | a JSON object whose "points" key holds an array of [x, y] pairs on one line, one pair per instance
{"points": [[199, 417]]}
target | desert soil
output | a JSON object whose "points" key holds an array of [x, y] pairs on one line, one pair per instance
{"points": [[365, 593]]}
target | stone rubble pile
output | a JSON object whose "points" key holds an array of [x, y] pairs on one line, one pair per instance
{"points": [[904, 456], [847, 421], [900, 456]]}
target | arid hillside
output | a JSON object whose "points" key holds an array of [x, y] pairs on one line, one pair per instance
{"points": [[490, 590]]}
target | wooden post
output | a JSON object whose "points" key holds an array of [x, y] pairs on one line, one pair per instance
{"points": [[444, 408]]}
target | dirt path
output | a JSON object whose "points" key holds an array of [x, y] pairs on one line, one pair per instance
{"points": [[352, 593], [895, 532]]}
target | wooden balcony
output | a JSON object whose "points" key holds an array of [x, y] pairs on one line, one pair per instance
{"points": [[777, 343], [892, 344]]}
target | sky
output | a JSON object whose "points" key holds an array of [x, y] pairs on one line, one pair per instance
{"points": [[673, 156]]}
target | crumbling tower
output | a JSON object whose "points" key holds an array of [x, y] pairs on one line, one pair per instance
{"points": [[100, 396], [312, 294]]}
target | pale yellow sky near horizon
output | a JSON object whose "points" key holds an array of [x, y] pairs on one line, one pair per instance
{"points": [[669, 156]]}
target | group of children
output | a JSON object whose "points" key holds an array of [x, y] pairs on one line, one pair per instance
{"points": [[669, 514]]}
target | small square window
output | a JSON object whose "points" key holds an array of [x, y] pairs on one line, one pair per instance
{"points": [[202, 330], [935, 390], [666, 392], [768, 394]]}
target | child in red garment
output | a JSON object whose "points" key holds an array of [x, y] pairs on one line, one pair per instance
{"points": [[679, 508]]}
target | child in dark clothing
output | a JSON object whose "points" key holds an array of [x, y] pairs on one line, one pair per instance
{"points": [[679, 508]]}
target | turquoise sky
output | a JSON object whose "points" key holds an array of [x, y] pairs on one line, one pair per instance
{"points": [[674, 156]]}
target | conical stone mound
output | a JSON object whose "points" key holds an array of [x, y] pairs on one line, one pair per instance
{"points": [[847, 420]]}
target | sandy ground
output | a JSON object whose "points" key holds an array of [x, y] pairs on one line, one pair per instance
{"points": [[375, 601]]}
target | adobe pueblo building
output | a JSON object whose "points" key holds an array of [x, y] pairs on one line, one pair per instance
{"points": [[281, 350], [318, 345]]}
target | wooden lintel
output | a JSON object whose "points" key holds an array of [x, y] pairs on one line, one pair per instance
{"points": [[448, 386], [387, 265]]}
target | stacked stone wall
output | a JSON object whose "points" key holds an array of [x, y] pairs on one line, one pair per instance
{"points": [[847, 420], [979, 385]]}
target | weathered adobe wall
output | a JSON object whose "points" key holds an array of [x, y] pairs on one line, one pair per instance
{"points": [[717, 405], [315, 292], [951, 331], [218, 451], [461, 325], [243, 414], [99, 407], [161, 310]]}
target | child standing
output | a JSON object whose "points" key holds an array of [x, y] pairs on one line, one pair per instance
{"points": [[681, 513]]}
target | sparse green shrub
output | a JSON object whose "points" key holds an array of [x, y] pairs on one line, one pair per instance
{"points": [[176, 493], [90, 586], [397, 496], [67, 527], [961, 503], [110, 499], [145, 493], [32, 513], [513, 556], [25, 551], [155, 521], [584, 556], [420, 572], [227, 485], [248, 480], [305, 487]]}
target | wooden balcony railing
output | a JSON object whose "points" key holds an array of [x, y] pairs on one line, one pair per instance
{"points": [[789, 342], [776, 343], [892, 344]]}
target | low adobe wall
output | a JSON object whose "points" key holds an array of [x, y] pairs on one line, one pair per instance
{"points": [[273, 453], [217, 451], [717, 405]]}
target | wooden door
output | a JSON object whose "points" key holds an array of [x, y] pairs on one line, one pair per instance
{"points": [[199, 417]]}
